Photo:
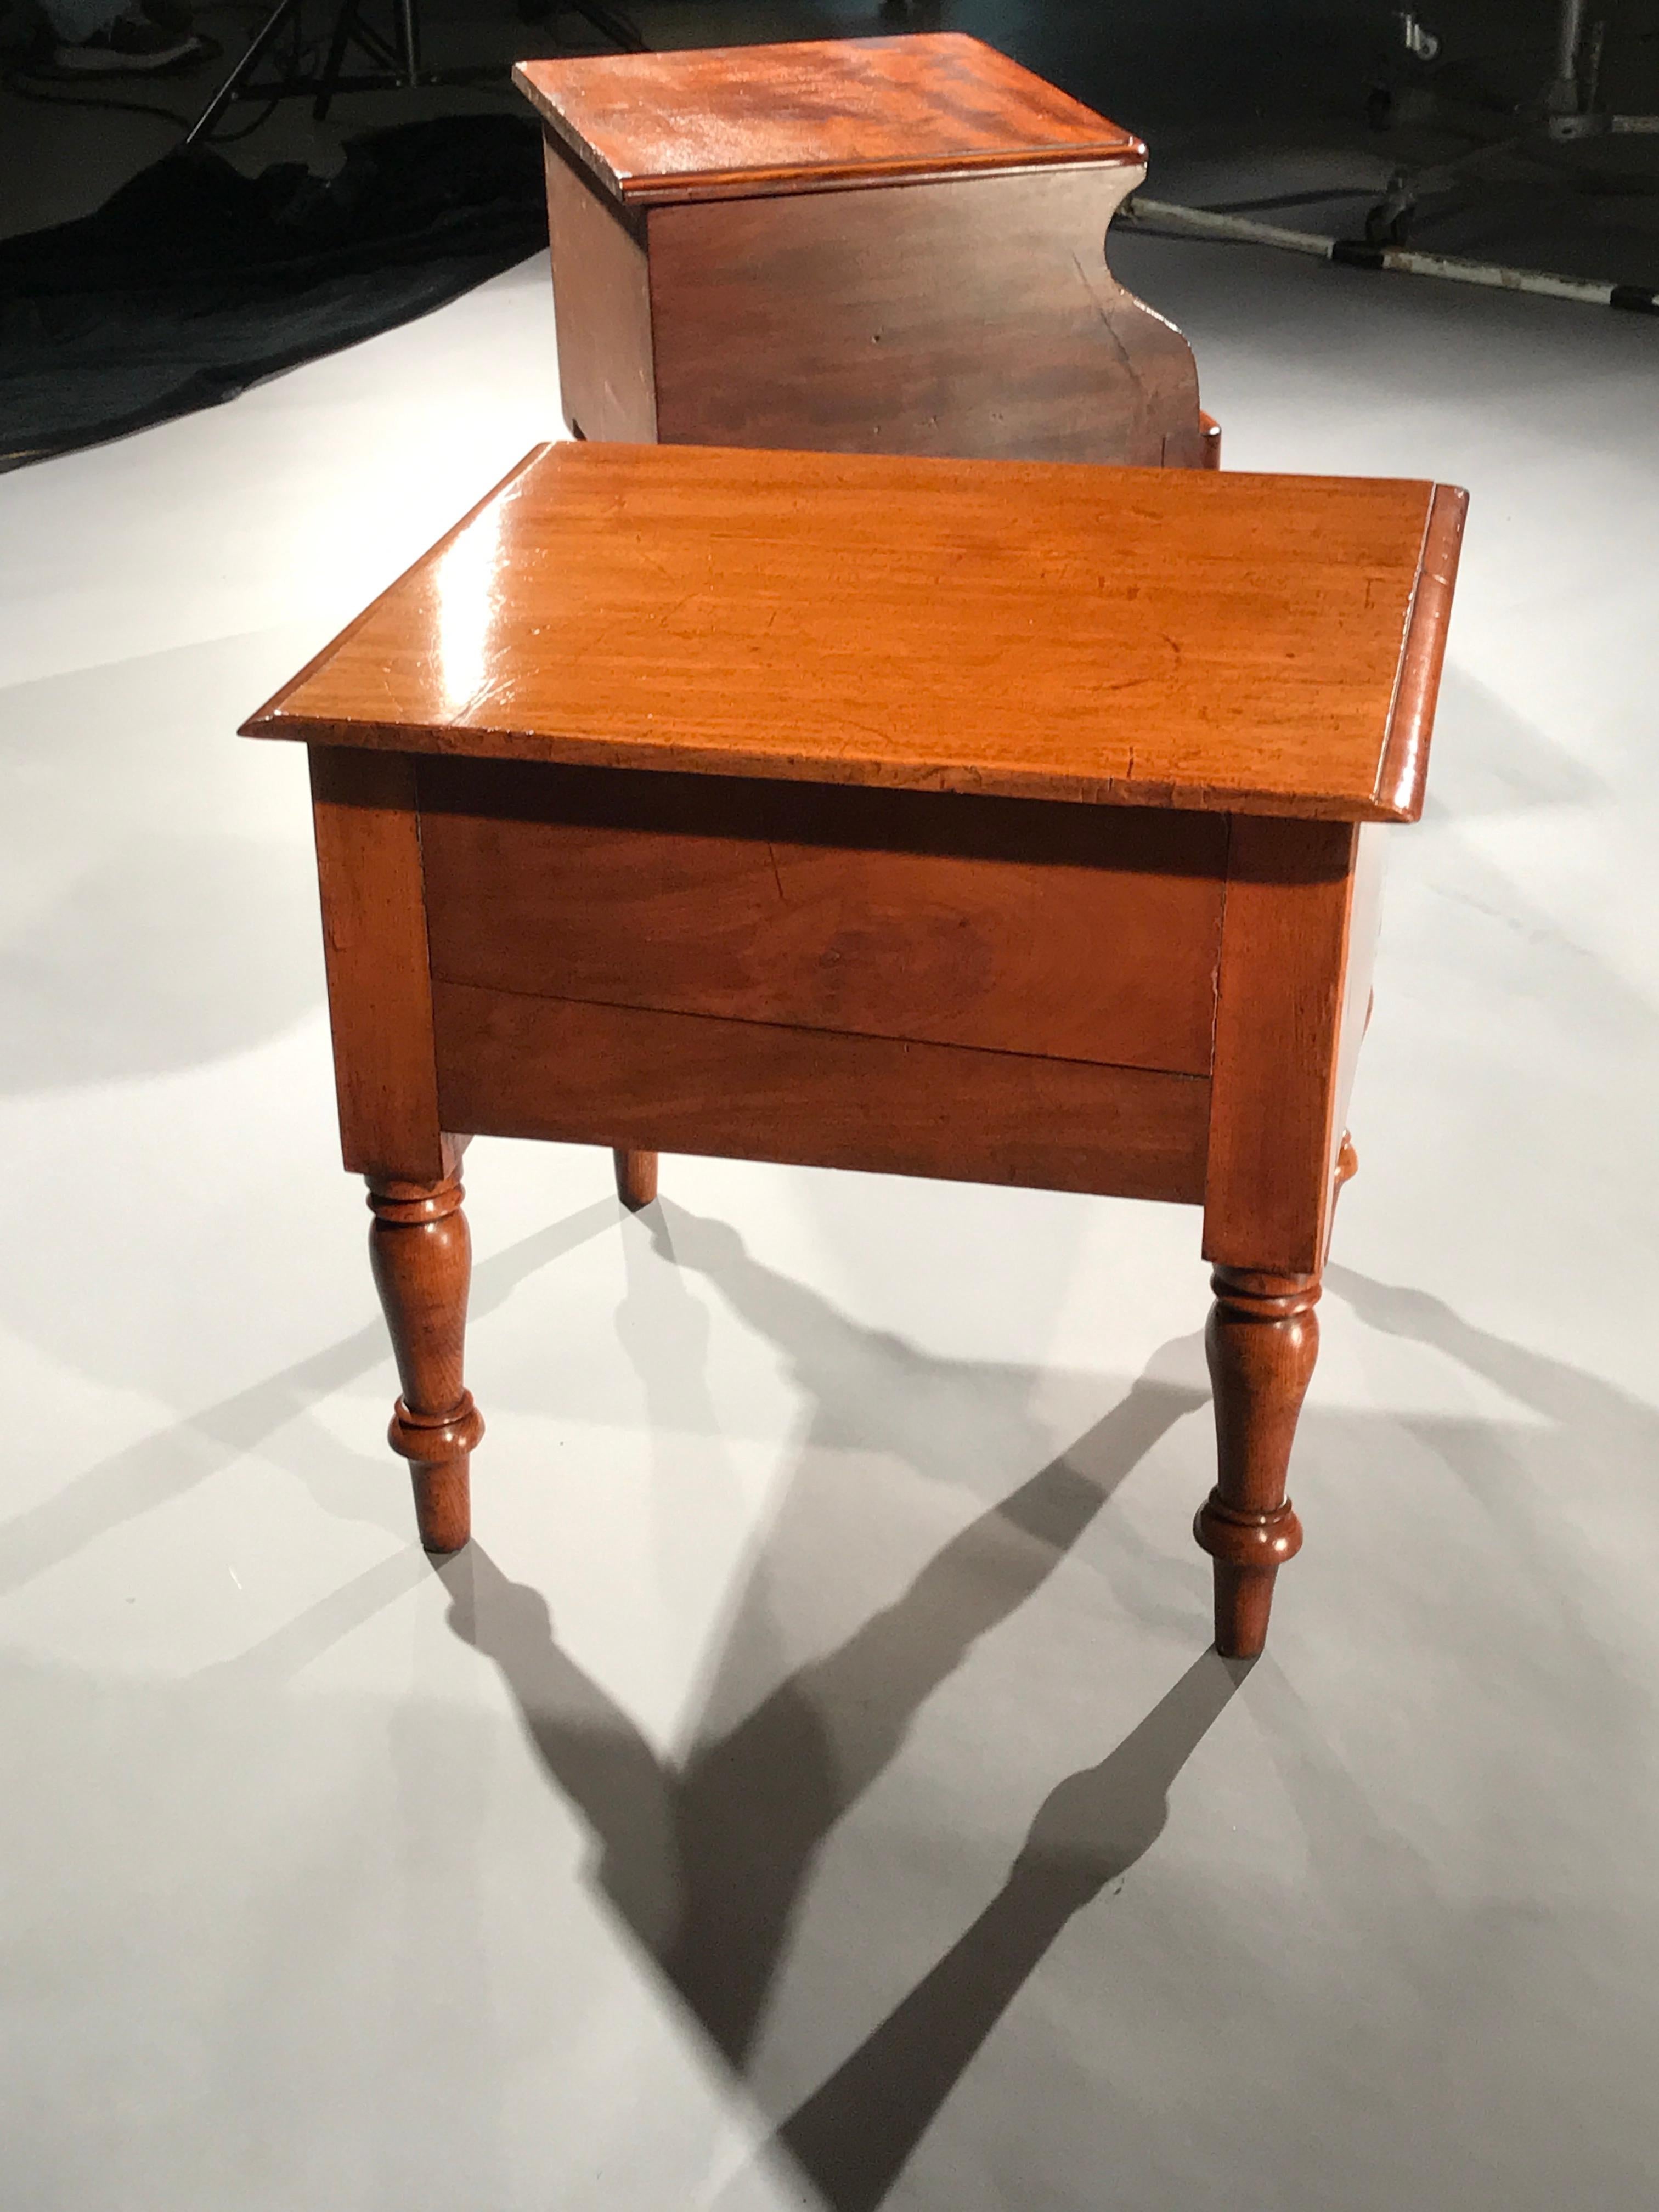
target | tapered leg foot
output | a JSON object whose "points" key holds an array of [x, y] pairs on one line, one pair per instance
{"points": [[636, 1178], [1262, 1341], [422, 1254]]}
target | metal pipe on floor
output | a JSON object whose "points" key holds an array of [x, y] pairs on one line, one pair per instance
{"points": [[1404, 260]]}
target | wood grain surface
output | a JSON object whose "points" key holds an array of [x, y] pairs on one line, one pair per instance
{"points": [[975, 317], [375, 951], [1275, 1130], [516, 1066], [601, 309], [810, 116], [1074, 932], [420, 1252], [1173, 637]]}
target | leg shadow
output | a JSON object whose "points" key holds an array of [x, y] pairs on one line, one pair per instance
{"points": [[706, 1859], [853, 2136], [706, 1866], [1552, 1388], [169, 1462], [756, 1805], [748, 1810]]}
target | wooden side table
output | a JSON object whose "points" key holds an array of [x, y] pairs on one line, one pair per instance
{"points": [[1010, 823], [862, 246]]}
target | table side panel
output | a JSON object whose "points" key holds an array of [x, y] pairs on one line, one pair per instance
{"points": [[601, 308], [519, 1066], [972, 317], [375, 950], [1273, 1133], [1072, 933]]}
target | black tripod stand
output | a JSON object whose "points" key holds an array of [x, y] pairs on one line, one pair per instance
{"points": [[395, 62]]}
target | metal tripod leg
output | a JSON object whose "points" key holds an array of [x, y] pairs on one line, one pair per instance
{"points": [[409, 34], [345, 24], [285, 11]]}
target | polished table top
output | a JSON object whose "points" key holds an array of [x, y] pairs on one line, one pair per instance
{"points": [[1258, 644], [811, 116]]}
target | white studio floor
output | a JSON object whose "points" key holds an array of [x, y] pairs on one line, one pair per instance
{"points": [[812, 1789]]}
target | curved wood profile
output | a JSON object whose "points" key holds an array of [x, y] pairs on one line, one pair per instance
{"points": [[421, 1251], [971, 317], [1261, 1341]]}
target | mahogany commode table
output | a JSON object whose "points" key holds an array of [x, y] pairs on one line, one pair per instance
{"points": [[855, 245], [1010, 823]]}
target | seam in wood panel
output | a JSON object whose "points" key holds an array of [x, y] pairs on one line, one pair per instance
{"points": [[825, 1029], [508, 1083], [425, 941]]}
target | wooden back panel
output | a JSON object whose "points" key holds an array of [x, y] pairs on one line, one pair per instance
{"points": [[883, 246], [1075, 933], [974, 317], [514, 1066]]}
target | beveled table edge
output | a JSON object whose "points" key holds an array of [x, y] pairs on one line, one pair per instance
{"points": [[1122, 150], [1397, 795], [1403, 771]]}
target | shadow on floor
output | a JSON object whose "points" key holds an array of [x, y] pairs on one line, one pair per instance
{"points": [[706, 1858], [171, 1462]]}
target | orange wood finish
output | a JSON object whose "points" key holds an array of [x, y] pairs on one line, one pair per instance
{"points": [[842, 946], [1262, 1341], [917, 916], [420, 1253], [518, 1065], [636, 1178], [1176, 638], [810, 116], [858, 246], [374, 953], [1285, 943]]}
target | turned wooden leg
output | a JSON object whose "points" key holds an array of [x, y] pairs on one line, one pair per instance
{"points": [[636, 1178], [1262, 1341], [422, 1254]]}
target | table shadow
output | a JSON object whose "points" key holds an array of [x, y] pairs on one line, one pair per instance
{"points": [[707, 1857]]}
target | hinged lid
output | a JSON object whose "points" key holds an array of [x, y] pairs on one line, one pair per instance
{"points": [[1173, 637], [734, 121]]}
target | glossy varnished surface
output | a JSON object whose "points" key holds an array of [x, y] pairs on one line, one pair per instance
{"points": [[1176, 637], [809, 116]]}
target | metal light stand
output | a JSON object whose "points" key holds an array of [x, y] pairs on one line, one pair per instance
{"points": [[1570, 109], [396, 61]]}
